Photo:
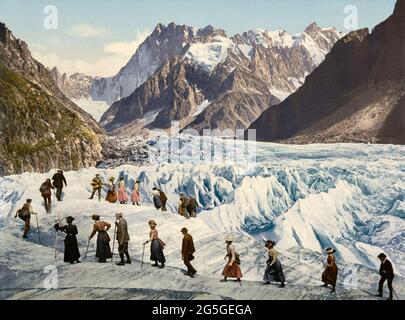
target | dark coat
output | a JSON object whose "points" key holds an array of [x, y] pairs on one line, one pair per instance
{"points": [[187, 247], [122, 231], [47, 189], [386, 269], [72, 253], [163, 197], [58, 180]]}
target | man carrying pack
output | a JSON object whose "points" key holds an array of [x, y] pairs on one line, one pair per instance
{"points": [[46, 193], [25, 214]]}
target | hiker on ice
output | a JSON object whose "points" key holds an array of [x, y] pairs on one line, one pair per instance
{"points": [[97, 185], [135, 196], [163, 199], [192, 207], [103, 251], [72, 253], [329, 276], [386, 273], [122, 193], [25, 214], [156, 198], [156, 246], [232, 269], [46, 193], [274, 271], [111, 194], [187, 250], [123, 239], [58, 181], [183, 203]]}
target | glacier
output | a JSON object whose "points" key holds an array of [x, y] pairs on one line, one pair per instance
{"points": [[306, 198]]}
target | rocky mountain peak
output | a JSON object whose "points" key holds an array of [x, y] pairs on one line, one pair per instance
{"points": [[210, 31], [312, 29]]}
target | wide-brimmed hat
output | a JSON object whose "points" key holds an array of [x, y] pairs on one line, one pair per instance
{"points": [[330, 250], [29, 200], [229, 238], [152, 223], [95, 217], [184, 230], [382, 256], [154, 188], [70, 219], [112, 179], [269, 243]]}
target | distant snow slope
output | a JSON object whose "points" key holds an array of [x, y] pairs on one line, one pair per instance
{"points": [[305, 198], [95, 108]]}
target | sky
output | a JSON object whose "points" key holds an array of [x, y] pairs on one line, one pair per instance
{"points": [[98, 37]]}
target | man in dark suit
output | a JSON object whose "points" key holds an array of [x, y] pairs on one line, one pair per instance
{"points": [[58, 181], [386, 273], [123, 239], [187, 250]]}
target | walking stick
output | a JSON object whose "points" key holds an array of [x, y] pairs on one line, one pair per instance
{"points": [[143, 254], [39, 233], [395, 293], [112, 255], [56, 236], [87, 250]]}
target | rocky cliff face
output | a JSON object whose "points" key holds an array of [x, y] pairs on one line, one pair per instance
{"points": [[356, 95], [76, 86], [210, 81], [40, 128], [164, 43]]}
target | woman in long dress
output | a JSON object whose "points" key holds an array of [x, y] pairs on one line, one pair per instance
{"points": [[156, 247], [103, 251], [135, 197], [329, 276], [72, 253], [274, 271], [232, 269], [111, 194], [122, 193]]}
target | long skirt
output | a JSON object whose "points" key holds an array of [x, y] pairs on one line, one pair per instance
{"points": [[157, 202], [111, 197], [329, 276], [233, 271], [122, 195], [135, 197], [103, 246], [72, 253], [274, 273], [156, 251]]}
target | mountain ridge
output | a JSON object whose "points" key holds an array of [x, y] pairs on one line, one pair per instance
{"points": [[337, 103]]}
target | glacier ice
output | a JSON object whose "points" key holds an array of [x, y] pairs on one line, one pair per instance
{"points": [[306, 198]]}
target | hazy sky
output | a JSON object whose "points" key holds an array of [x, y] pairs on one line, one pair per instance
{"points": [[98, 36]]}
